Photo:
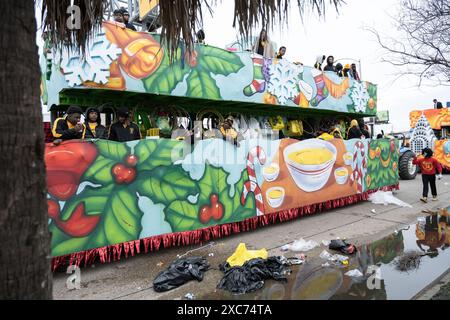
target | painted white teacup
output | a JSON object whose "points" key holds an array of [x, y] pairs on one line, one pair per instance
{"points": [[271, 172], [348, 159], [341, 175], [275, 196]]}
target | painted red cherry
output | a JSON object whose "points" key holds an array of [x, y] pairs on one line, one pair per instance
{"points": [[214, 210], [132, 160], [123, 174], [205, 214], [217, 207]]}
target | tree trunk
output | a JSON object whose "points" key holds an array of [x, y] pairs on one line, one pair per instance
{"points": [[24, 237]]}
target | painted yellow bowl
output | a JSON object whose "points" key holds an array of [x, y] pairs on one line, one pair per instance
{"points": [[310, 163]]}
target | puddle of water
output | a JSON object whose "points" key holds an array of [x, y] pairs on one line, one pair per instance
{"points": [[431, 234]]}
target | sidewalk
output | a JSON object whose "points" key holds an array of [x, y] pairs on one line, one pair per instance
{"points": [[132, 278]]}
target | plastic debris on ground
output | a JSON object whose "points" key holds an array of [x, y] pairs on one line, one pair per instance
{"points": [[386, 197], [300, 245], [251, 276], [354, 273], [242, 255], [293, 260], [190, 296], [211, 255], [326, 243], [373, 211], [336, 259], [211, 244], [180, 272], [342, 246]]}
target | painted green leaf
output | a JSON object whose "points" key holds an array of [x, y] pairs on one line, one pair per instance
{"points": [[120, 219], [112, 150], [218, 61], [69, 246], [166, 78], [166, 184], [154, 153], [100, 171], [202, 85]]}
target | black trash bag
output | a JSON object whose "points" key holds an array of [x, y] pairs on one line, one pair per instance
{"points": [[180, 272], [250, 277], [342, 246]]}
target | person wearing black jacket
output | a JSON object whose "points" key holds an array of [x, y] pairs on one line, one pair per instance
{"points": [[94, 128], [126, 18], [364, 132], [124, 130], [69, 127], [354, 132]]}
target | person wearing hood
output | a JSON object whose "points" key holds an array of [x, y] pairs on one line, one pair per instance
{"points": [[346, 70], [319, 62], [263, 46], [94, 128], [429, 166], [339, 70], [69, 127], [126, 19], [330, 64], [354, 132]]}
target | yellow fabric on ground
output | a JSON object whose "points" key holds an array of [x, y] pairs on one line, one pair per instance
{"points": [[242, 255]]}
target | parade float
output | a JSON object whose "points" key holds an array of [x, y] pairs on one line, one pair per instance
{"points": [[431, 129], [183, 184]]}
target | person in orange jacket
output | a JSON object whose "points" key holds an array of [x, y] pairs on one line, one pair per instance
{"points": [[429, 166]]}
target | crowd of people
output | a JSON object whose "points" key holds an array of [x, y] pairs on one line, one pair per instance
{"points": [[123, 16], [264, 47], [357, 130], [70, 127]]}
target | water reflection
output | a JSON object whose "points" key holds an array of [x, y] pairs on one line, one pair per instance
{"points": [[431, 234]]}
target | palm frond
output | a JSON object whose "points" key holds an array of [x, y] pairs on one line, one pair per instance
{"points": [[55, 16]]}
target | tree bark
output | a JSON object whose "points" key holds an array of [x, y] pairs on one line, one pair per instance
{"points": [[24, 236]]}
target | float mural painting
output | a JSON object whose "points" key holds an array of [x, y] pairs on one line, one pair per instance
{"points": [[423, 123], [122, 59], [103, 193]]}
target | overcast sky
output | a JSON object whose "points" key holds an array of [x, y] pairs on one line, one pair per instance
{"points": [[343, 36]]}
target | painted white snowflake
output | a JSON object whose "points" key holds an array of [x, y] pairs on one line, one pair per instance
{"points": [[94, 67], [283, 80], [360, 96]]}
